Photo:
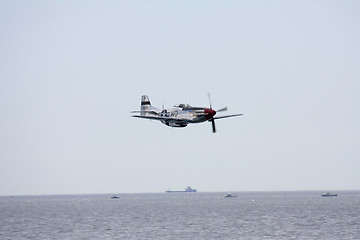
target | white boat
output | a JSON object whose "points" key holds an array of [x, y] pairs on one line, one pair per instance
{"points": [[229, 195]]}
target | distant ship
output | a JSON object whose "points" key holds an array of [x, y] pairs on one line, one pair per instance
{"points": [[188, 189], [229, 195], [327, 194]]}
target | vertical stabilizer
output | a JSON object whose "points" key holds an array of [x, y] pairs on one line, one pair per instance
{"points": [[145, 104]]}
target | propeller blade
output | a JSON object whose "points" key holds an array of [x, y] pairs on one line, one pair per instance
{"points": [[213, 125], [221, 110], [209, 100]]}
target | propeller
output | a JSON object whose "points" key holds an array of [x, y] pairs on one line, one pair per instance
{"points": [[213, 125], [212, 114], [209, 100], [222, 109]]}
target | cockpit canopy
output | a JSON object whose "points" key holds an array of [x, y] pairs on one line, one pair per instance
{"points": [[188, 107], [182, 106]]}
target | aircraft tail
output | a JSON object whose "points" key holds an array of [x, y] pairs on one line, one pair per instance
{"points": [[145, 104]]}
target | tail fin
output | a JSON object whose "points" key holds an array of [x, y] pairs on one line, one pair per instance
{"points": [[145, 104]]}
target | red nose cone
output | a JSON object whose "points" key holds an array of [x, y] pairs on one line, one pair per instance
{"points": [[209, 113]]}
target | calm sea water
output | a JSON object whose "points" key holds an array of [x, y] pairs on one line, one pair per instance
{"points": [[252, 215]]}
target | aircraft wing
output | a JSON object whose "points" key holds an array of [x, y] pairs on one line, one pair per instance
{"points": [[161, 118], [227, 116]]}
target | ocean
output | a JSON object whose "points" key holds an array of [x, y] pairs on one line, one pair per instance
{"points": [[251, 215]]}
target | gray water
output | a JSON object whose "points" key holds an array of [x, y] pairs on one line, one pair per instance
{"points": [[252, 215]]}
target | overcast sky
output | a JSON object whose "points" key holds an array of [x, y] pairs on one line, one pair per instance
{"points": [[71, 72]]}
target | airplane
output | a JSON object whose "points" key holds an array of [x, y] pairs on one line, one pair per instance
{"points": [[180, 115]]}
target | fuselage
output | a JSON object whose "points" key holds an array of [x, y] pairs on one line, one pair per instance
{"points": [[182, 114]]}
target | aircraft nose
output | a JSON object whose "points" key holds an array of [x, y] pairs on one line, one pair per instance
{"points": [[209, 113]]}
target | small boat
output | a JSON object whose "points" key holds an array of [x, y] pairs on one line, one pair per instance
{"points": [[114, 197], [327, 194], [229, 195]]}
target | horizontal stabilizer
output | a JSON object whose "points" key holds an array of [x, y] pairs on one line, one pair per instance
{"points": [[145, 111]]}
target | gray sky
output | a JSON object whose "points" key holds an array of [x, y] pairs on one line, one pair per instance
{"points": [[71, 71]]}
